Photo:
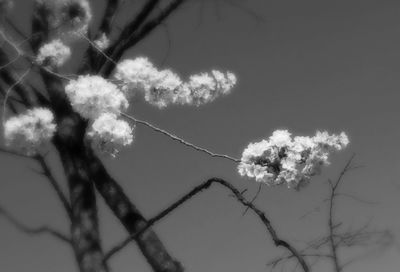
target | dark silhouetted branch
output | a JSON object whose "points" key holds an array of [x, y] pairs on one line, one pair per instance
{"points": [[148, 241], [239, 196], [33, 230], [109, 13], [85, 233], [141, 33], [53, 182]]}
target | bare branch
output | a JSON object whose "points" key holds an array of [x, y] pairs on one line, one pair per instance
{"points": [[130, 28], [346, 168], [254, 198], [14, 153], [53, 182], [178, 139], [33, 230], [126, 42], [16, 29], [275, 262], [16, 83], [10, 103], [110, 11], [276, 239], [358, 199]]}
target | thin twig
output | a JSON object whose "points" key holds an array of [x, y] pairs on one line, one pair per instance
{"points": [[254, 198], [180, 140], [53, 182], [97, 48], [33, 230], [9, 91], [16, 29], [14, 153], [356, 198]]}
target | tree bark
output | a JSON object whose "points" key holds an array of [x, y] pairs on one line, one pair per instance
{"points": [[84, 222], [133, 221]]}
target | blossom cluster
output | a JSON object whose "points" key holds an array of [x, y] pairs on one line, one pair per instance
{"points": [[163, 87], [54, 53], [283, 159], [103, 42], [109, 134], [29, 131], [101, 102], [91, 96]]}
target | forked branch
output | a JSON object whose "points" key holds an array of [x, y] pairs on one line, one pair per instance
{"points": [[239, 196]]}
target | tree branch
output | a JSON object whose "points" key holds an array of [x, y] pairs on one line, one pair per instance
{"points": [[14, 153], [53, 182], [85, 233], [148, 241], [331, 224], [126, 42], [33, 230], [238, 195], [178, 139], [111, 9]]}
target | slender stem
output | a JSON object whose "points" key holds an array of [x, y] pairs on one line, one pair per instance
{"points": [[33, 230], [332, 242], [9, 91], [54, 184], [331, 224], [180, 140]]}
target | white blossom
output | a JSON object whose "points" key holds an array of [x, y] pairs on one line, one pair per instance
{"points": [[163, 87], [281, 159], [102, 42], [27, 132], [136, 75], [163, 91], [91, 96], [54, 53], [109, 134]]}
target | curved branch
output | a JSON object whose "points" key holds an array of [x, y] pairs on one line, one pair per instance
{"points": [[33, 230], [278, 260], [238, 195]]}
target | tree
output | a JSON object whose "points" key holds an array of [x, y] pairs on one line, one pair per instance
{"points": [[340, 236], [84, 116]]}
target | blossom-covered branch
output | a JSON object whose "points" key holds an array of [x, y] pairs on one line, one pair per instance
{"points": [[281, 159]]}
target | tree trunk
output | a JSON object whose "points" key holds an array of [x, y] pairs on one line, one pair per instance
{"points": [[149, 243], [84, 223]]}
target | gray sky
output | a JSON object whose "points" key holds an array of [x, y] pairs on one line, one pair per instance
{"points": [[307, 65]]}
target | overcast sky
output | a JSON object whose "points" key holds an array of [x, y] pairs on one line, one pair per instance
{"points": [[301, 65]]}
